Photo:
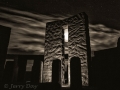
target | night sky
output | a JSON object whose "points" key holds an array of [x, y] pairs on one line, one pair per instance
{"points": [[28, 18], [99, 11]]}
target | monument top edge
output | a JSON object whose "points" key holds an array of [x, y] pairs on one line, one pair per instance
{"points": [[80, 15]]}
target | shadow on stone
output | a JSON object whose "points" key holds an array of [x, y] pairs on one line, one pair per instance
{"points": [[75, 68]]}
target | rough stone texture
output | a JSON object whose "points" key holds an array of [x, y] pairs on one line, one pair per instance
{"points": [[77, 46], [53, 48]]}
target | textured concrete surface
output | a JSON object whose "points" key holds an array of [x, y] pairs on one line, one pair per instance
{"points": [[78, 46]]}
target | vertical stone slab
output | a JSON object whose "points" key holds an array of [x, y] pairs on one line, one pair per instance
{"points": [[54, 49], [36, 71], [66, 71], [22, 69], [4, 40], [77, 43], [15, 69], [29, 70], [78, 46], [8, 72]]}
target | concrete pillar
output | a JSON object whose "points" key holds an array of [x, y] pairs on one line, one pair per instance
{"points": [[41, 71], [37, 71], [22, 69], [54, 48], [8, 72], [4, 40], [79, 44], [15, 70]]}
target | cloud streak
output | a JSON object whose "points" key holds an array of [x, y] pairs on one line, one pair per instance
{"points": [[28, 31], [103, 37]]}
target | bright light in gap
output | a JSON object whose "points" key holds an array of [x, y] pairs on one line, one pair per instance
{"points": [[66, 35]]}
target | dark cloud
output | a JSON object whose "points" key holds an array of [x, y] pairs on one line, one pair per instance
{"points": [[23, 52], [103, 37], [28, 31], [99, 11], [32, 43], [19, 50], [35, 36]]}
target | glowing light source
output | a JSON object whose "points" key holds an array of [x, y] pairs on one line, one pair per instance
{"points": [[66, 35]]}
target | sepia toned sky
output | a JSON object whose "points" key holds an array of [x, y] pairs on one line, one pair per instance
{"points": [[28, 21]]}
